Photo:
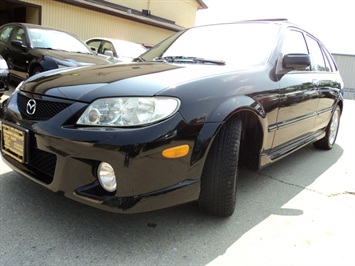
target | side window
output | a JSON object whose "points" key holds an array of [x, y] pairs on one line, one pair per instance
{"points": [[19, 36], [107, 46], [316, 54], [294, 43], [94, 44], [330, 60], [5, 33]]}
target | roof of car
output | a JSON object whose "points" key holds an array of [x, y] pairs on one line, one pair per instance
{"points": [[32, 26], [109, 39]]}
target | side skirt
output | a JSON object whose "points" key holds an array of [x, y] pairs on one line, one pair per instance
{"points": [[283, 151]]}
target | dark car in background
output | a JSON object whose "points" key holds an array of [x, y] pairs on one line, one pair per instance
{"points": [[30, 49], [176, 125]]}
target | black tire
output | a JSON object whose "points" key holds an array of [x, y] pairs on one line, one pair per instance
{"points": [[220, 173], [37, 70], [331, 132]]}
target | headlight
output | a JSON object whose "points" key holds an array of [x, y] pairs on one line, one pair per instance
{"points": [[128, 111]]}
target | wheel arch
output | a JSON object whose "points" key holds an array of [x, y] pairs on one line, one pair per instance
{"points": [[251, 114], [236, 142], [32, 67], [45, 63]]}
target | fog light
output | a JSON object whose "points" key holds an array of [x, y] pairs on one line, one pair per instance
{"points": [[107, 177]]}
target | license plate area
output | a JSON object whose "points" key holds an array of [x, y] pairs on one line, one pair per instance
{"points": [[13, 142]]}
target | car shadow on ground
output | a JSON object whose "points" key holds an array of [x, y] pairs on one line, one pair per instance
{"points": [[40, 227]]}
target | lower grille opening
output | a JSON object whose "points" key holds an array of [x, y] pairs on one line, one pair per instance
{"points": [[42, 164]]}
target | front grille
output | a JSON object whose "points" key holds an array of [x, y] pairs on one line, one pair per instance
{"points": [[44, 109]]}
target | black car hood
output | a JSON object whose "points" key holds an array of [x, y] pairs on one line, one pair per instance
{"points": [[135, 79], [72, 59]]}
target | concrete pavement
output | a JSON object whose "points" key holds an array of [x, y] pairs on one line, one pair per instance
{"points": [[298, 211]]}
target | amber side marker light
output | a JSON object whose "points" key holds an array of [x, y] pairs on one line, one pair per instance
{"points": [[176, 152]]}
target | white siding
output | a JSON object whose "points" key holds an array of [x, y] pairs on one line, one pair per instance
{"points": [[346, 64], [87, 23]]}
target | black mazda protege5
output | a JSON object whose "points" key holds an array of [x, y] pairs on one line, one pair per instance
{"points": [[176, 125]]}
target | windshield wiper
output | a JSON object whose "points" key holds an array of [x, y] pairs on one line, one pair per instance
{"points": [[189, 59]]}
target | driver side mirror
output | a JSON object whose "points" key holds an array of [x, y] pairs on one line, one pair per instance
{"points": [[296, 61], [19, 44], [109, 53]]}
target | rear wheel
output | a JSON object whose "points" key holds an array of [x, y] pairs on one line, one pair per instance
{"points": [[331, 131], [220, 173]]}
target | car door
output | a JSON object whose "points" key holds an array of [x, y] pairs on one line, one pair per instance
{"points": [[327, 78], [19, 50], [298, 97]]}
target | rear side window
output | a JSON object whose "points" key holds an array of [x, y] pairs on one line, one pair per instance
{"points": [[317, 55], [329, 58], [5, 33]]}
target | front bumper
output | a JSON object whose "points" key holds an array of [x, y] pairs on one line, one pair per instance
{"points": [[65, 159]]}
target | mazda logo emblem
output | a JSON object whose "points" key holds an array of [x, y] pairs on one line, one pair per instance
{"points": [[31, 107]]}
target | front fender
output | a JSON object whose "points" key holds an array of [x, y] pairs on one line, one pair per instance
{"points": [[232, 105], [215, 121]]}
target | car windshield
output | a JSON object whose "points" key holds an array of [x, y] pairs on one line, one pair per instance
{"points": [[244, 44], [56, 40]]}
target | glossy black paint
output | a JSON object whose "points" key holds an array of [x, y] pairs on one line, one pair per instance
{"points": [[4, 79], [24, 59], [283, 106]]}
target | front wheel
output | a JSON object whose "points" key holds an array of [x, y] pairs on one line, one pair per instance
{"points": [[37, 70], [331, 132], [220, 173]]}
